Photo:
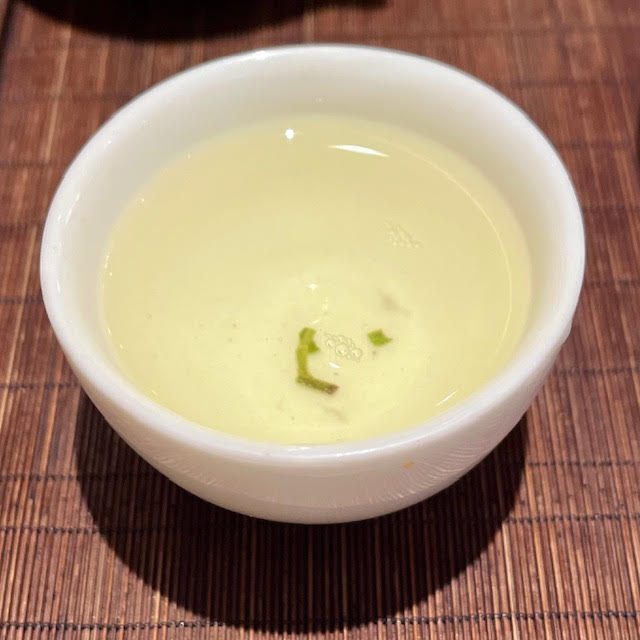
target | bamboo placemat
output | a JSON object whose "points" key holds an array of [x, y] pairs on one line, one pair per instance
{"points": [[542, 540]]}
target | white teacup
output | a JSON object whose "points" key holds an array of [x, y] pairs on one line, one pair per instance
{"points": [[324, 483]]}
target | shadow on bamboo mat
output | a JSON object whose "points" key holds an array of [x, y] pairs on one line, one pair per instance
{"points": [[165, 19], [234, 570]]}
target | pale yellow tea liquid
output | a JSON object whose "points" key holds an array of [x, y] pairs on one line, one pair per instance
{"points": [[340, 225]]}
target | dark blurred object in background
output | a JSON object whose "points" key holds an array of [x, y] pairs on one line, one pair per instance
{"points": [[164, 19]]}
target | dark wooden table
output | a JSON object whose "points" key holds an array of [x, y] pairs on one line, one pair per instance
{"points": [[542, 540]]}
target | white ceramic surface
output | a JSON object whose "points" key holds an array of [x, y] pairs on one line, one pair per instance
{"points": [[326, 483]]}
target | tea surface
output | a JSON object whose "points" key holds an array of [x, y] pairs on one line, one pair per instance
{"points": [[339, 225]]}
